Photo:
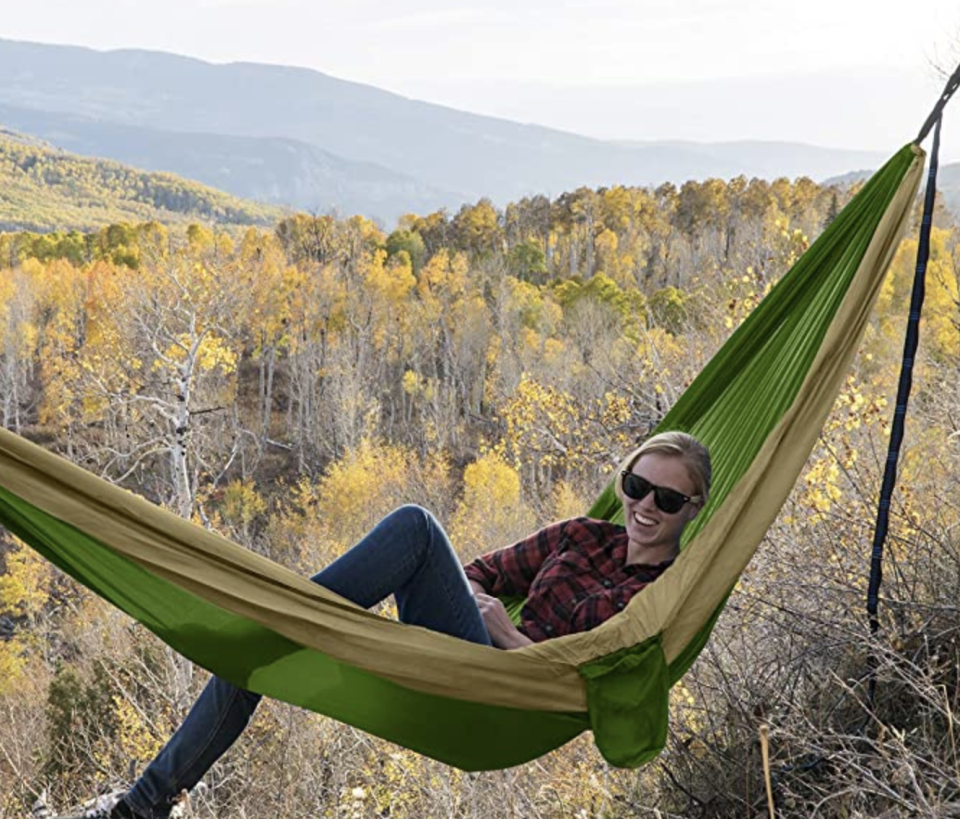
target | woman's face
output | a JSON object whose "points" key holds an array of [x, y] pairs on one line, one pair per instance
{"points": [[654, 535]]}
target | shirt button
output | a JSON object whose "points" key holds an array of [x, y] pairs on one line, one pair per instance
{"points": [[548, 628], [606, 583], [620, 605]]}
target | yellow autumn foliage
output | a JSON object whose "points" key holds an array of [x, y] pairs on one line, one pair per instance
{"points": [[491, 513], [323, 518], [210, 352], [13, 665], [137, 740], [25, 586]]}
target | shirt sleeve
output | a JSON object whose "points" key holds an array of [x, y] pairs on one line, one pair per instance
{"points": [[510, 571]]}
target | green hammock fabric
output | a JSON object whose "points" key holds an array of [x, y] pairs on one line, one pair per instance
{"points": [[758, 405]]}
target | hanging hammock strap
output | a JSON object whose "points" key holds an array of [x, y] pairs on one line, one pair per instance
{"points": [[953, 83], [910, 344]]}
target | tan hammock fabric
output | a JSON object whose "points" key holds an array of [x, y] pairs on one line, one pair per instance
{"points": [[543, 676]]}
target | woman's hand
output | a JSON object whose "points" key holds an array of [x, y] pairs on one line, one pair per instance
{"points": [[503, 633]]}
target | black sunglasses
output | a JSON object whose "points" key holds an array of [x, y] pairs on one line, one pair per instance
{"points": [[667, 500]]}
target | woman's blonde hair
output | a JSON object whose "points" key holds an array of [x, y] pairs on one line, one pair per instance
{"points": [[696, 457]]}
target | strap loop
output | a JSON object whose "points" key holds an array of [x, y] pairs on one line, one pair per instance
{"points": [[953, 83]]}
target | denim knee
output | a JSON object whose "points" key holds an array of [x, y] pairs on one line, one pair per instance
{"points": [[422, 529]]}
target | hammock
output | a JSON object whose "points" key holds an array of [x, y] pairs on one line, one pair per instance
{"points": [[759, 405]]}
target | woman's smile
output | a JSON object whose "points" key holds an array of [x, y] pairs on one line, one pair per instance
{"points": [[654, 535]]}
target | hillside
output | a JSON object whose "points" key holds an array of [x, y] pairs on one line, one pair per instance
{"points": [[948, 184], [494, 372], [44, 189], [948, 181], [276, 170], [86, 95]]}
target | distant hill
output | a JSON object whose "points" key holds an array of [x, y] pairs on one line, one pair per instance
{"points": [[769, 160], [44, 189], [847, 179], [268, 169], [948, 184], [24, 139], [311, 138]]}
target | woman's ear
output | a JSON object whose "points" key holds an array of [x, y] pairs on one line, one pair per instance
{"points": [[693, 509]]}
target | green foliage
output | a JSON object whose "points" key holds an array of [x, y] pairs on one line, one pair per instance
{"points": [[629, 305], [409, 242], [79, 715], [668, 309], [119, 243], [527, 262]]}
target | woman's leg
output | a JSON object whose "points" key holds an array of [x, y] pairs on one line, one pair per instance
{"points": [[408, 555], [213, 724]]}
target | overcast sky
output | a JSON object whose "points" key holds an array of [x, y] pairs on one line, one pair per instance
{"points": [[842, 73]]}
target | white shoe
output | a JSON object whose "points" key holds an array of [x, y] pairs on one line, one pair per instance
{"points": [[103, 808]]}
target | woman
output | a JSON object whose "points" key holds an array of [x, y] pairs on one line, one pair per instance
{"points": [[574, 575]]}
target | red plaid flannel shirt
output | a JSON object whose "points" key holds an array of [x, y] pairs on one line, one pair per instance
{"points": [[572, 573]]}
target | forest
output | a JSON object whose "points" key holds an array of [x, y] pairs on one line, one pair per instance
{"points": [[289, 384], [44, 189]]}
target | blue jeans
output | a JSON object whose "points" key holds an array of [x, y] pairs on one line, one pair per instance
{"points": [[408, 555]]}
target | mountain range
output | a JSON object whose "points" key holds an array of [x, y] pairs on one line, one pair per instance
{"points": [[299, 138]]}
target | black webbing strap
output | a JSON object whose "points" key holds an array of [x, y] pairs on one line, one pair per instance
{"points": [[906, 380], [953, 83]]}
